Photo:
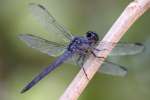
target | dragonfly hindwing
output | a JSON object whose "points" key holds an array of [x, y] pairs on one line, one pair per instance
{"points": [[43, 45], [113, 69]]}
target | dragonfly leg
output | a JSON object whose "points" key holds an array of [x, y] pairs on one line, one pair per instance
{"points": [[96, 55], [82, 59], [99, 49], [85, 73]]}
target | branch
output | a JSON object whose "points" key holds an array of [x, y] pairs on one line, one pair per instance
{"points": [[131, 13]]}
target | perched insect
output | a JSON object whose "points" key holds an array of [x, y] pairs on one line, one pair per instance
{"points": [[73, 47]]}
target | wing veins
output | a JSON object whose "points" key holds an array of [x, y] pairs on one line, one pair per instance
{"points": [[43, 45], [49, 21]]}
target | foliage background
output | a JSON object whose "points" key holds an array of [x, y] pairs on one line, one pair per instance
{"points": [[19, 63]]}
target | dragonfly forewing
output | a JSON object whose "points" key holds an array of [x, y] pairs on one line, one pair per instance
{"points": [[123, 48], [50, 23]]}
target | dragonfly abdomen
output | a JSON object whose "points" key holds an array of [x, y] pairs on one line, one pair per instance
{"points": [[47, 70]]}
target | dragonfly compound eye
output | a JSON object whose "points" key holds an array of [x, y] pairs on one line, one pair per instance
{"points": [[92, 36]]}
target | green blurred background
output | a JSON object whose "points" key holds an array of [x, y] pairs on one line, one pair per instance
{"points": [[19, 63]]}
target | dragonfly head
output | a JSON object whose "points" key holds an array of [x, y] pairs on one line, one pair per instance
{"points": [[92, 36]]}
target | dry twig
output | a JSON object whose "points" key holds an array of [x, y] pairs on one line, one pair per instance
{"points": [[131, 13]]}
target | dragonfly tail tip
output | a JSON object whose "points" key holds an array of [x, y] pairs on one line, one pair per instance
{"points": [[24, 90]]}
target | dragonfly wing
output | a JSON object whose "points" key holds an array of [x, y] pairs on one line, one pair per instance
{"points": [[108, 68], [73, 60], [43, 45], [78, 60], [122, 49], [50, 22], [113, 69]]}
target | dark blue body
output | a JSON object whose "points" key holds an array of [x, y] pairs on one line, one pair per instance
{"points": [[79, 48], [79, 45]]}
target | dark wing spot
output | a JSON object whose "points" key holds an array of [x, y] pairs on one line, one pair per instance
{"points": [[41, 6], [140, 44]]}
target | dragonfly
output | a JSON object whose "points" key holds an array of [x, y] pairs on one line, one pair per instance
{"points": [[74, 48]]}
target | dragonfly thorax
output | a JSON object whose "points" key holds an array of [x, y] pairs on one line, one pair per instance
{"points": [[79, 45]]}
